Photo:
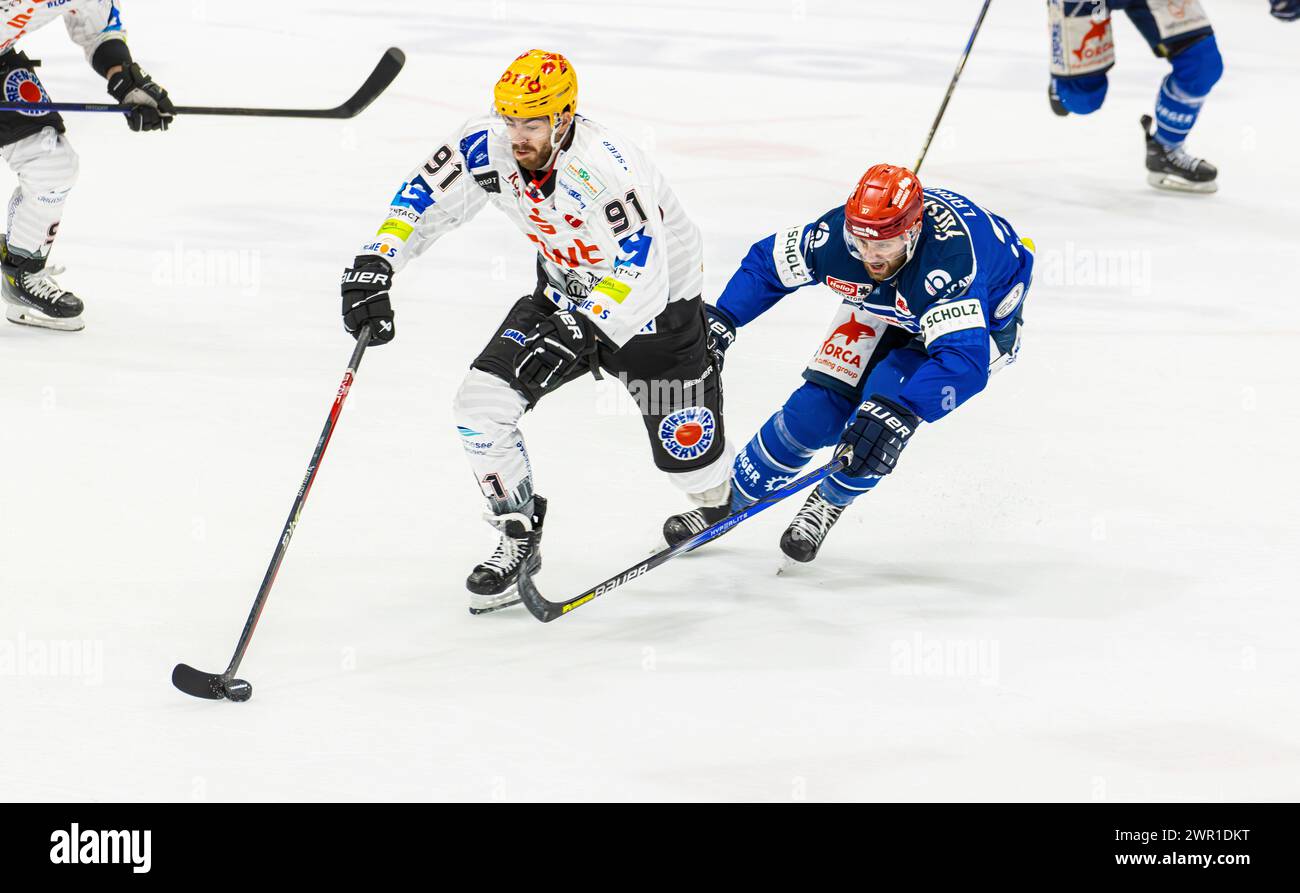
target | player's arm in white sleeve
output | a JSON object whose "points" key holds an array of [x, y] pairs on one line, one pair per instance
{"points": [[434, 199], [96, 27]]}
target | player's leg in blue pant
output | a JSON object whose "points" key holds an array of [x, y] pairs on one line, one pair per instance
{"points": [[813, 417], [887, 380], [1184, 90], [1196, 66], [1082, 95], [803, 538]]}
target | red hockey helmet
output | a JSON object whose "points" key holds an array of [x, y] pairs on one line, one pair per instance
{"points": [[886, 204]]}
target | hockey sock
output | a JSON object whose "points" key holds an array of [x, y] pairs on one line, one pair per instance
{"points": [[767, 462]]}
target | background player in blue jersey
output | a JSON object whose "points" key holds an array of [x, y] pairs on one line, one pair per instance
{"points": [[933, 287], [1083, 51]]}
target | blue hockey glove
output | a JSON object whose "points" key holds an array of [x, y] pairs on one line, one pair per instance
{"points": [[722, 333], [877, 437]]}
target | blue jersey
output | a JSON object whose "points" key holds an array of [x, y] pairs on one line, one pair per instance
{"points": [[965, 281]]}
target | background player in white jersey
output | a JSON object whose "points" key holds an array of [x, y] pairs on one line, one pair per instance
{"points": [[619, 281], [36, 148]]}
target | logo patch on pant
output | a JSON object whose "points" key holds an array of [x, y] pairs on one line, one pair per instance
{"points": [[22, 86], [688, 433]]}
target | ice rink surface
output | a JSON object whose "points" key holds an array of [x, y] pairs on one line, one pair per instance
{"points": [[1080, 586]]}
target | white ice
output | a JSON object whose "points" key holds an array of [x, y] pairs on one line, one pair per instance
{"points": [[1081, 586]]}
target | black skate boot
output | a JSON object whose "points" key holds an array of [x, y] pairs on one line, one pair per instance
{"points": [[806, 533], [679, 528], [1054, 100], [1175, 170], [34, 298], [492, 584]]}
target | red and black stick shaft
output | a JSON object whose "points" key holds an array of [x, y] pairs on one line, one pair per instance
{"points": [[206, 685]]}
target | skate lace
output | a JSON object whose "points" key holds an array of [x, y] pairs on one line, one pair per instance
{"points": [[42, 284], [815, 519], [1180, 159], [694, 520], [510, 550]]}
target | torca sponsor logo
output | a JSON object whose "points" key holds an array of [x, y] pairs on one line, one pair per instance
{"points": [[850, 333], [1096, 40]]}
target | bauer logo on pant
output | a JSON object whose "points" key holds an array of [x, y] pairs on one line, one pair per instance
{"points": [[688, 433], [22, 86]]}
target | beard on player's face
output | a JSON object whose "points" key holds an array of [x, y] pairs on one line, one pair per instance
{"points": [[882, 258], [530, 141]]}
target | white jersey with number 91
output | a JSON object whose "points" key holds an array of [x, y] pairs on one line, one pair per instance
{"points": [[613, 239]]}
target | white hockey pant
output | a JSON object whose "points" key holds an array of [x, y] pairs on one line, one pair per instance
{"points": [[487, 412], [47, 166]]}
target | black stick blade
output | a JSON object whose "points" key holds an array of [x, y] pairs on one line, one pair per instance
{"points": [[198, 684], [538, 606], [389, 67]]}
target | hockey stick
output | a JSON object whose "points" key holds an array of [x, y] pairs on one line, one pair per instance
{"points": [[385, 72], [546, 611], [217, 686], [961, 65]]}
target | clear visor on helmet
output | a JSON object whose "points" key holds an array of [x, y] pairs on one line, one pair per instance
{"points": [[522, 130], [879, 252]]}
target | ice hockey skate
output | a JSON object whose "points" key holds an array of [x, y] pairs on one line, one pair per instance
{"points": [[492, 585], [803, 539], [1173, 169], [33, 297]]}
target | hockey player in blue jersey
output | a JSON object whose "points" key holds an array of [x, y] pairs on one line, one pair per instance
{"points": [[933, 291], [1083, 51]]}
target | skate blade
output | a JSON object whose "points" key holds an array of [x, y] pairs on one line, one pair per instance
{"points": [[788, 565], [494, 607], [508, 599], [1171, 183], [26, 316]]}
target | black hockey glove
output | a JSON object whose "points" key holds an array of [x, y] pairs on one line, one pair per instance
{"points": [[365, 298], [722, 333], [153, 109], [1286, 10], [877, 437], [554, 347]]}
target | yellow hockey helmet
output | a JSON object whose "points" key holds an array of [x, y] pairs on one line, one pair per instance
{"points": [[538, 84]]}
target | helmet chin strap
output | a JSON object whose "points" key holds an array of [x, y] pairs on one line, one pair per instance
{"points": [[559, 133], [558, 136], [912, 243]]}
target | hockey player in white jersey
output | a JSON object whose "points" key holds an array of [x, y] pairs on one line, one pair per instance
{"points": [[618, 289], [36, 148]]}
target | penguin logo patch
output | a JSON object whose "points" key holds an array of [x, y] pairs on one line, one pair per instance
{"points": [[688, 433], [22, 86]]}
